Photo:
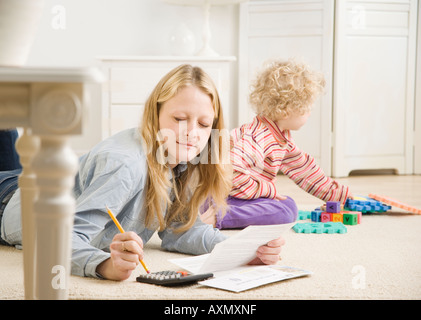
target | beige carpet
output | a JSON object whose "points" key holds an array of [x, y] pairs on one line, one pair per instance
{"points": [[378, 259]]}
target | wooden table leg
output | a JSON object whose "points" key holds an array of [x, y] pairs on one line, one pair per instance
{"points": [[55, 166], [49, 101], [27, 146]]}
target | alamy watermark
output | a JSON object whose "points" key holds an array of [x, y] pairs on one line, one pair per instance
{"points": [[358, 18], [58, 21], [359, 278], [59, 280], [243, 153]]}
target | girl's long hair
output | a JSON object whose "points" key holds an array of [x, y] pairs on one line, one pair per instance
{"points": [[206, 180]]}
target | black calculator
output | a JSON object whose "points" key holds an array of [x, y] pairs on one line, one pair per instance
{"points": [[172, 278]]}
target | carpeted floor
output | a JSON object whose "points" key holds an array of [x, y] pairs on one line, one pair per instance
{"points": [[378, 259]]}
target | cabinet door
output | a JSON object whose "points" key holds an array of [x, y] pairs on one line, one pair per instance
{"points": [[374, 87], [290, 29], [417, 129]]}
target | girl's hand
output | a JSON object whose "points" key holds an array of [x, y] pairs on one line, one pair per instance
{"points": [[269, 253], [126, 250]]}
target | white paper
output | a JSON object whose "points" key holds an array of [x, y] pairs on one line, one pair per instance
{"points": [[236, 251], [254, 276]]}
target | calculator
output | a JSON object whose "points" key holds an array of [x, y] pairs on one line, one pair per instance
{"points": [[172, 278]]}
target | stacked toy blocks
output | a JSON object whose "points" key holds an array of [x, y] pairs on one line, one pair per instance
{"points": [[333, 213], [333, 219]]}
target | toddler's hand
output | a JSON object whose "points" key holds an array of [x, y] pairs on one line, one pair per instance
{"points": [[279, 197]]}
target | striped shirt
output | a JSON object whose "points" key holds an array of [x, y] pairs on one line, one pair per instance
{"points": [[259, 150]]}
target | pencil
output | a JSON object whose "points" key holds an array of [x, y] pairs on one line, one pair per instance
{"points": [[122, 231]]}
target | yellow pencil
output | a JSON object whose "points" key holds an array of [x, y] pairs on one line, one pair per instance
{"points": [[122, 231]]}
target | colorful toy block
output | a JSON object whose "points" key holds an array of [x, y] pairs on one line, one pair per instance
{"points": [[337, 217], [325, 217], [304, 215], [350, 218], [395, 203], [320, 227], [333, 206], [359, 214], [315, 215], [365, 205]]}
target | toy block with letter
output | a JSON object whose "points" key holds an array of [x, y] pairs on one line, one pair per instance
{"points": [[337, 217], [333, 206], [350, 218], [315, 215], [325, 217]]}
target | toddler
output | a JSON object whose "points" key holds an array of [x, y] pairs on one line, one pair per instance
{"points": [[282, 97]]}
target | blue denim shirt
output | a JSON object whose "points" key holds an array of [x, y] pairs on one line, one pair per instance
{"points": [[113, 173]]}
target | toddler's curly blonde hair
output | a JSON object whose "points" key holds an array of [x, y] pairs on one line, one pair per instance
{"points": [[285, 87]]}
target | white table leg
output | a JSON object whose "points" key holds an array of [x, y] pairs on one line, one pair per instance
{"points": [[50, 101], [27, 146], [55, 166]]}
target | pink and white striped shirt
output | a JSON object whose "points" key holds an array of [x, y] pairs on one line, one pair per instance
{"points": [[259, 150]]}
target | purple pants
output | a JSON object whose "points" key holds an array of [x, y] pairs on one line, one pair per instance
{"points": [[262, 211]]}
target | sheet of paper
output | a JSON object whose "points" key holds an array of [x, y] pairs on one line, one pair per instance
{"points": [[254, 276], [236, 251], [191, 264]]}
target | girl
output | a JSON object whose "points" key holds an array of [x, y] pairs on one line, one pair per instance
{"points": [[282, 96], [150, 178]]}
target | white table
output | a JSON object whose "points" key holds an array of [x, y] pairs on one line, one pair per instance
{"points": [[48, 104]]}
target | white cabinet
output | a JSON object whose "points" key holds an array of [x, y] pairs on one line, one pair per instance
{"points": [[132, 79], [417, 124], [374, 85], [290, 29], [367, 51]]}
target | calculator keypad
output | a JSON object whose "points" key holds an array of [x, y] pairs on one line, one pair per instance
{"points": [[172, 277], [161, 275]]}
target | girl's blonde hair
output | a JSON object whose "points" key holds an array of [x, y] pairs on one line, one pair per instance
{"points": [[206, 180], [285, 87]]}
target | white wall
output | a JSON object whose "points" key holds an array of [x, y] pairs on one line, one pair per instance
{"points": [[124, 27], [94, 28]]}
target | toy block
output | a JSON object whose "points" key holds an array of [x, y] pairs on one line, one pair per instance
{"points": [[308, 228], [365, 205], [315, 215], [333, 206], [395, 203], [337, 217], [320, 227], [325, 217], [316, 227], [359, 215], [335, 227], [304, 215], [350, 218]]}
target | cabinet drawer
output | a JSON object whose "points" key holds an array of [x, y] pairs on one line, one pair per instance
{"points": [[134, 85]]}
